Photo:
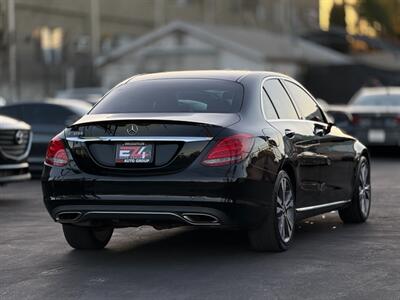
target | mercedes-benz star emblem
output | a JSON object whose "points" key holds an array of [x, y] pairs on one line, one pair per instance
{"points": [[19, 137], [132, 129]]}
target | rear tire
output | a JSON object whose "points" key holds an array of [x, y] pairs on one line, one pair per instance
{"points": [[87, 237], [276, 232], [359, 208]]}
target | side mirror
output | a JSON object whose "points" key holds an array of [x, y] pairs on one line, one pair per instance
{"points": [[330, 121], [321, 129], [329, 127], [330, 118]]}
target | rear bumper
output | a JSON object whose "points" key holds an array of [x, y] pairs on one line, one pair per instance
{"points": [[175, 199], [136, 215], [14, 172], [392, 136]]}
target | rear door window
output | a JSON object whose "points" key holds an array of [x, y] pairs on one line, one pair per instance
{"points": [[280, 99]]}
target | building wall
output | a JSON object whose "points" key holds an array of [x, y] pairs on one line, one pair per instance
{"points": [[185, 52], [125, 20]]}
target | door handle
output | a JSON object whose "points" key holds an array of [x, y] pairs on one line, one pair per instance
{"points": [[290, 133], [272, 142], [319, 131]]}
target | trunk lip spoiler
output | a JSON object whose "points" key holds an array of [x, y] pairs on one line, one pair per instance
{"points": [[210, 119], [186, 139]]}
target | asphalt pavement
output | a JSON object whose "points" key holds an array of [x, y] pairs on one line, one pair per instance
{"points": [[328, 260]]}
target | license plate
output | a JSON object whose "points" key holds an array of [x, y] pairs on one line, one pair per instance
{"points": [[134, 154], [376, 136]]}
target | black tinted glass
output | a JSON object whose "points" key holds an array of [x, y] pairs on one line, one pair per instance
{"points": [[55, 114], [307, 106], [280, 99], [378, 100], [11, 111], [45, 114], [173, 95]]}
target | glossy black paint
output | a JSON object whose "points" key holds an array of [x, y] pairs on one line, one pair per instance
{"points": [[14, 153], [319, 157]]}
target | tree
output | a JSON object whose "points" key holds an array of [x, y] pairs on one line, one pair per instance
{"points": [[337, 16]]}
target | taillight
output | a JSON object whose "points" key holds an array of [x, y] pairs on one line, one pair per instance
{"points": [[56, 154], [397, 119], [356, 119], [229, 150]]}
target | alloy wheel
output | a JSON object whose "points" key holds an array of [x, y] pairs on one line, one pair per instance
{"points": [[285, 210], [364, 189]]}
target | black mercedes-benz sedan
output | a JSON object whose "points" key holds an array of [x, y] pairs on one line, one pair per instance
{"points": [[15, 144], [249, 150]]}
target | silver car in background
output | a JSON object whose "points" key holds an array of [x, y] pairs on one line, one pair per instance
{"points": [[15, 144], [376, 116]]}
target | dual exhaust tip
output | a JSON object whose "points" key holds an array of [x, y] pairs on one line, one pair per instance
{"points": [[200, 219], [190, 218], [68, 217]]}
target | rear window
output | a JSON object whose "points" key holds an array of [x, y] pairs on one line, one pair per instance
{"points": [[378, 100], [173, 95]]}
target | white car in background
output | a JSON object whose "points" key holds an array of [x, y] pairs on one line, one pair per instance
{"points": [[376, 116]]}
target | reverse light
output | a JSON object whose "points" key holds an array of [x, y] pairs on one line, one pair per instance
{"points": [[56, 155], [229, 150]]}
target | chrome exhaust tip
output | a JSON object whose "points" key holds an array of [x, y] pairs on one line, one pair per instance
{"points": [[68, 217], [200, 219]]}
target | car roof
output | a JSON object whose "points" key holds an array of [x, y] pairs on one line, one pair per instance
{"points": [[52, 101], [69, 102], [231, 75], [84, 89], [77, 106]]}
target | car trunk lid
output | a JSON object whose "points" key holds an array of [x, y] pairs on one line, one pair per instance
{"points": [[151, 143]]}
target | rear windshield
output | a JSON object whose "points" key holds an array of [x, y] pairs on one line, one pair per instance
{"points": [[173, 95], [378, 100]]}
